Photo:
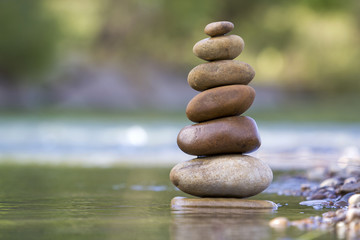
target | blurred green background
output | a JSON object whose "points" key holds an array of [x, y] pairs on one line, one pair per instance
{"points": [[131, 55]]}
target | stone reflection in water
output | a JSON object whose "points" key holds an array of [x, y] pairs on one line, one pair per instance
{"points": [[220, 223]]}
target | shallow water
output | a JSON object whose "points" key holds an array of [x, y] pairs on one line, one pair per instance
{"points": [[100, 179], [104, 142], [47, 202]]}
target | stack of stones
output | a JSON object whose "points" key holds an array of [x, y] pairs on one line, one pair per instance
{"points": [[220, 137]]}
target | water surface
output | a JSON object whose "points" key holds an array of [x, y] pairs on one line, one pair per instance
{"points": [[106, 142], [106, 179], [54, 202]]}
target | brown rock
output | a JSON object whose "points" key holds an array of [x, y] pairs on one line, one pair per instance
{"points": [[220, 73], [183, 202], [224, 135], [218, 28], [235, 175], [219, 48], [219, 102]]}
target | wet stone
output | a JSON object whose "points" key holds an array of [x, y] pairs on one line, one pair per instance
{"points": [[220, 73], [350, 187], [353, 213], [233, 176], [183, 202], [279, 223], [218, 28], [350, 180], [219, 48], [354, 199], [220, 136], [220, 102], [331, 182]]}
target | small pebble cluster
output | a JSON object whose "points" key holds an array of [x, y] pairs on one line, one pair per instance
{"points": [[340, 192], [332, 188], [345, 222], [220, 135], [333, 192]]}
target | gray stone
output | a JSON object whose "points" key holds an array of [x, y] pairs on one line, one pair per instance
{"points": [[184, 202], [234, 175]]}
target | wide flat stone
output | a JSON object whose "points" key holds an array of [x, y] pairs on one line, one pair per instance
{"points": [[225, 47], [220, 102], [237, 134], [220, 73], [230, 176], [218, 28], [184, 202]]}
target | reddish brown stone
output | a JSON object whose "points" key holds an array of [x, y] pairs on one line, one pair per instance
{"points": [[218, 28], [220, 73], [219, 102], [219, 48], [220, 136]]}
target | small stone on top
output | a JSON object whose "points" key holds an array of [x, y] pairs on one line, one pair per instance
{"points": [[218, 28]]}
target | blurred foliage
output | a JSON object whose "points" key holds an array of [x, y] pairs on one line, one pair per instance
{"points": [[301, 45], [27, 39]]}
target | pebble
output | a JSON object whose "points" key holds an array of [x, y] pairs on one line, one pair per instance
{"points": [[341, 230], [219, 48], [350, 187], [331, 182], [218, 28], [184, 202], [350, 180], [279, 223], [352, 213], [234, 175], [237, 134], [220, 102], [354, 199], [220, 73], [341, 191]]}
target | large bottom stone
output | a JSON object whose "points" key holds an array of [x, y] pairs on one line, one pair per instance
{"points": [[230, 176], [178, 203]]}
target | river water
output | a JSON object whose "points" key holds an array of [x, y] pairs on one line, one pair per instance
{"points": [[107, 179], [100, 142]]}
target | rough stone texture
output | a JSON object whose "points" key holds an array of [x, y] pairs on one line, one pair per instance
{"points": [[183, 202], [218, 28], [237, 134], [219, 102], [220, 73], [219, 48], [235, 175]]}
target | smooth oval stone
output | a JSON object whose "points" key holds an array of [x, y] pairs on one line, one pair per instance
{"points": [[236, 176], [219, 102], [237, 134], [354, 199], [184, 202], [218, 28], [279, 223], [220, 73], [219, 48]]}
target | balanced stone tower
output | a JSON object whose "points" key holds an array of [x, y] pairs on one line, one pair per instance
{"points": [[221, 136]]}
